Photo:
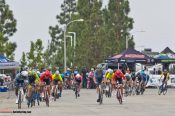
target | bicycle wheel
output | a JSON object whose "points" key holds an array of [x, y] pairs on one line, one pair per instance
{"points": [[47, 98], [119, 96], [76, 91], [55, 94], [101, 96], [19, 100], [164, 91], [159, 90]]}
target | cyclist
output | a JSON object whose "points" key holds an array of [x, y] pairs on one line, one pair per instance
{"points": [[109, 75], [75, 72], [68, 76], [46, 77], [166, 77], [143, 79], [128, 77], [57, 79], [99, 77], [20, 81], [119, 76], [90, 79], [33, 80], [78, 80]]}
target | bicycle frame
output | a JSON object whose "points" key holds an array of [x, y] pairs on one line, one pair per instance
{"points": [[46, 95], [118, 92], [20, 95]]}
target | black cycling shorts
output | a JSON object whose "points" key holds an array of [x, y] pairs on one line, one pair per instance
{"points": [[47, 81], [55, 82], [120, 81]]}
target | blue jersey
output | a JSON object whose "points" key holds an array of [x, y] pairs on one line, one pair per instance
{"points": [[99, 74], [67, 74], [76, 72]]}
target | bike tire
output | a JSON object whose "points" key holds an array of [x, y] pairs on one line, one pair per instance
{"points": [[76, 91], [165, 91], [47, 99], [101, 97], [19, 100], [55, 94], [119, 96]]}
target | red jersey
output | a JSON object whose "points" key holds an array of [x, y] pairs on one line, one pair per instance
{"points": [[118, 75], [46, 76]]}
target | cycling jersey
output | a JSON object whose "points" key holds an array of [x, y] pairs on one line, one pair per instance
{"points": [[68, 74], [91, 74], [121, 75], [46, 78], [75, 72], [118, 76], [78, 79], [128, 76], [165, 76], [57, 77], [33, 77], [109, 76], [98, 76]]}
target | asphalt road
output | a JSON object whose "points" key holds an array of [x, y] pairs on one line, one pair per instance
{"points": [[149, 104]]}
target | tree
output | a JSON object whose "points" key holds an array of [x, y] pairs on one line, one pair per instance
{"points": [[23, 60], [7, 29], [35, 55], [55, 50], [120, 23]]}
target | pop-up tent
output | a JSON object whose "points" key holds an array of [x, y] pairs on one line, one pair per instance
{"points": [[131, 56], [5, 63]]}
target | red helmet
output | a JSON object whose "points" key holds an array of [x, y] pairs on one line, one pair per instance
{"points": [[118, 72], [47, 73]]}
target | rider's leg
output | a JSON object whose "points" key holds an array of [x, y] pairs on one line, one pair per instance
{"points": [[48, 89], [16, 93], [60, 87], [29, 91]]}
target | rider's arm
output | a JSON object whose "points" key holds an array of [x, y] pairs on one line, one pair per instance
{"points": [[41, 78], [50, 77]]}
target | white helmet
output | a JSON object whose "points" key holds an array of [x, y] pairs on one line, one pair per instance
{"points": [[78, 75], [110, 71], [92, 69], [24, 73], [57, 72]]}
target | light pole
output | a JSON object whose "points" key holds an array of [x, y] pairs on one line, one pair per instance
{"points": [[74, 44], [127, 39], [70, 39], [65, 58]]}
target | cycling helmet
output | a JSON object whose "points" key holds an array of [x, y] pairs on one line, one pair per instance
{"points": [[110, 71], [118, 72], [78, 75], [57, 72], [24, 73], [92, 69], [99, 66], [47, 73]]}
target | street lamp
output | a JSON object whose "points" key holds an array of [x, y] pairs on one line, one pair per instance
{"points": [[70, 39], [127, 39], [65, 58], [74, 44]]}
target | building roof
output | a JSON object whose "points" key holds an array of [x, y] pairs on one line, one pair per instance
{"points": [[167, 50]]}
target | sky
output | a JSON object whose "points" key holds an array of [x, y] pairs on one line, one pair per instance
{"points": [[154, 24]]}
